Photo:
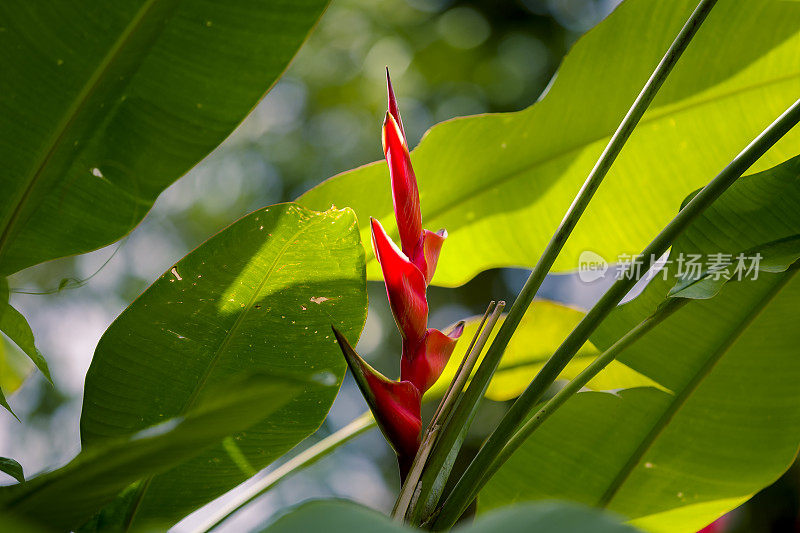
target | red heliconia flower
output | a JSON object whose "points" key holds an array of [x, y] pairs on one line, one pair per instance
{"points": [[407, 271]]}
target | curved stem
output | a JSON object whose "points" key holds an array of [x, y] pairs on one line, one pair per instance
{"points": [[465, 409], [466, 492], [303, 459], [475, 475]]}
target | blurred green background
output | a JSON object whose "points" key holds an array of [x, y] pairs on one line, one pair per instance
{"points": [[447, 58]]}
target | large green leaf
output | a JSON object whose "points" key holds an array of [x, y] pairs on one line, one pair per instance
{"points": [[501, 183], [67, 497], [334, 516], [104, 104], [543, 327], [262, 294], [728, 423]]}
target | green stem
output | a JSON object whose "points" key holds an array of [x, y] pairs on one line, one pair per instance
{"points": [[467, 492], [305, 458], [474, 477], [465, 409], [582, 379], [468, 362], [404, 499]]}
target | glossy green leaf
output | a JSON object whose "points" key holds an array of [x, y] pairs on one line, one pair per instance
{"points": [[728, 423], [261, 294], [334, 516], [541, 330], [12, 468], [501, 183], [103, 105], [70, 495], [14, 325]]}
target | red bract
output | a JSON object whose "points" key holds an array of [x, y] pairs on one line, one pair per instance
{"points": [[422, 364], [427, 254], [405, 286], [407, 271], [395, 404], [405, 195]]}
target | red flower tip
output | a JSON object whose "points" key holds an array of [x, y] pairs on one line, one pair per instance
{"points": [[392, 134], [405, 285], [405, 195], [393, 104], [423, 363], [396, 405]]}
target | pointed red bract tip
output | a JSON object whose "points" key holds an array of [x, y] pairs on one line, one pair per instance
{"points": [[405, 285], [423, 363], [396, 405], [393, 104], [405, 195], [391, 134]]}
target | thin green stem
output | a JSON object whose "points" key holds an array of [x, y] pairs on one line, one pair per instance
{"points": [[681, 396], [467, 364], [465, 409], [410, 485], [467, 493], [474, 350], [475, 475], [305, 458]]}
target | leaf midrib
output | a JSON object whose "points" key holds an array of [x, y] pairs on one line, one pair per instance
{"points": [[201, 383], [68, 119], [684, 395]]}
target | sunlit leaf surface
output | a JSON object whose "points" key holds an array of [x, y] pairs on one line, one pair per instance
{"points": [[540, 332], [260, 295], [673, 460], [501, 183]]}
